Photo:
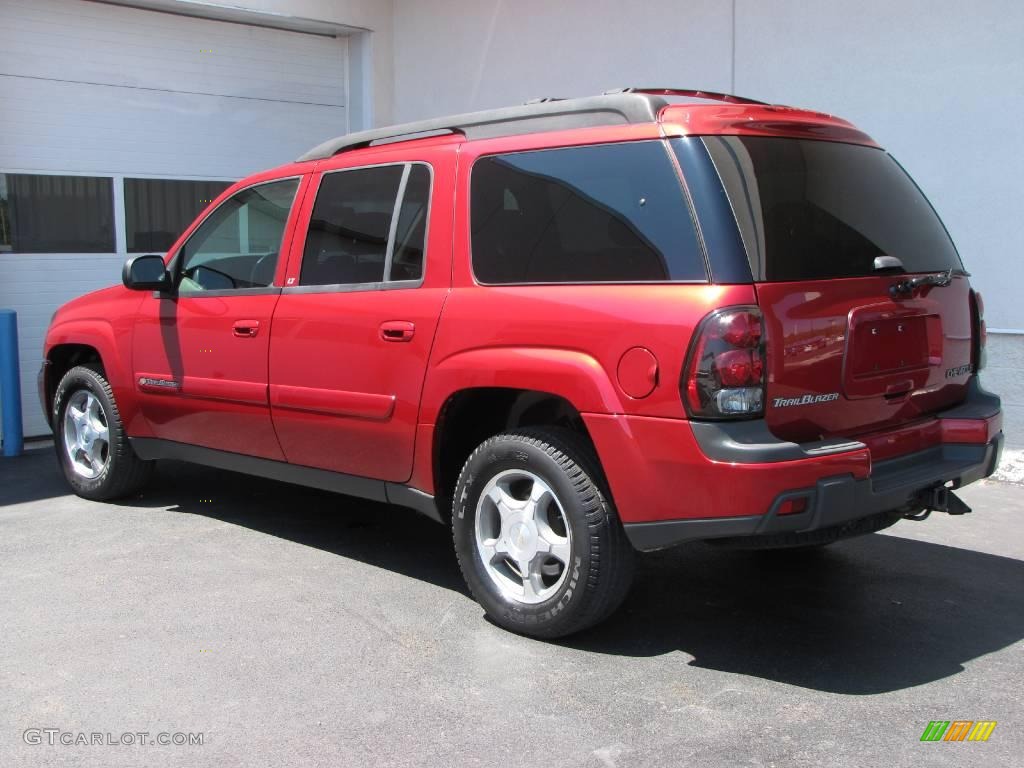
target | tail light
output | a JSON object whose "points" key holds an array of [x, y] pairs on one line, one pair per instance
{"points": [[980, 331], [724, 374]]}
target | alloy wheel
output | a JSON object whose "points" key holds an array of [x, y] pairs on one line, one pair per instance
{"points": [[523, 536], [86, 435]]}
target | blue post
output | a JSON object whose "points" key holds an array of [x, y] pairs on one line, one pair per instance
{"points": [[10, 383]]}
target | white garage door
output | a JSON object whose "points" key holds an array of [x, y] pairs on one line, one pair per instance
{"points": [[97, 90]]}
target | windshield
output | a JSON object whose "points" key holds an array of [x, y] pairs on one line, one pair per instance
{"points": [[810, 210]]}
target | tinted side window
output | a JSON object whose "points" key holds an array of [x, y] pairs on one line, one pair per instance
{"points": [[411, 232], [238, 245], [348, 233], [607, 213], [811, 210], [157, 211], [56, 214]]}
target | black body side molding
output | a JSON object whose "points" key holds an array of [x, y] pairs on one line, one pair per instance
{"points": [[337, 482]]}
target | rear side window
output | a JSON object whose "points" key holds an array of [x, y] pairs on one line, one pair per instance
{"points": [[348, 234], [810, 210], [411, 229], [606, 213], [369, 226]]}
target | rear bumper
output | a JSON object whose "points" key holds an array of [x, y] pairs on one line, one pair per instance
{"points": [[675, 481], [835, 501]]}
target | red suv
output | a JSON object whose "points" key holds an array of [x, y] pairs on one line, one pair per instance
{"points": [[569, 329]]}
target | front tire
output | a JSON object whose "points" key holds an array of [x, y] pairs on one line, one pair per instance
{"points": [[537, 537], [92, 448]]}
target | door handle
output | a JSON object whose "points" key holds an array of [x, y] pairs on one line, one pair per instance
{"points": [[397, 330], [246, 329]]}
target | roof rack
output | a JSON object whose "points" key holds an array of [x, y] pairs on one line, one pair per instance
{"points": [[689, 93], [618, 107], [528, 118]]}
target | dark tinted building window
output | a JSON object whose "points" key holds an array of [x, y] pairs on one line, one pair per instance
{"points": [[157, 211], [410, 234], [348, 234], [56, 214], [812, 210], [608, 213]]}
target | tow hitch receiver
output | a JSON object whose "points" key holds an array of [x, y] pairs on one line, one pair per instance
{"points": [[941, 499]]}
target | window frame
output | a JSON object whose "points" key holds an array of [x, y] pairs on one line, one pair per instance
{"points": [[684, 191], [385, 284], [174, 263]]}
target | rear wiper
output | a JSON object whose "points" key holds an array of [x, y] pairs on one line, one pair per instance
{"points": [[907, 287], [888, 264]]}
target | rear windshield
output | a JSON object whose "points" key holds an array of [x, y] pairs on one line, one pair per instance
{"points": [[811, 209], [590, 214]]}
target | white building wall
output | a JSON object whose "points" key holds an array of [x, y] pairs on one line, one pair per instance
{"points": [[100, 89], [374, 17], [939, 83], [452, 56]]}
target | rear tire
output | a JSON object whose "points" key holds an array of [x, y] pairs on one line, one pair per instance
{"points": [[537, 537], [92, 448]]}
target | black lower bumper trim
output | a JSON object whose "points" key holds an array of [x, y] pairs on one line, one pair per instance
{"points": [[894, 485]]}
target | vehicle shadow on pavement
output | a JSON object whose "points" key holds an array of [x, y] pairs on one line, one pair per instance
{"points": [[385, 536], [865, 616], [381, 535], [33, 476]]}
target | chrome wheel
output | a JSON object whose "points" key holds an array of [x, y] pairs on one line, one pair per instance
{"points": [[523, 536], [86, 435]]}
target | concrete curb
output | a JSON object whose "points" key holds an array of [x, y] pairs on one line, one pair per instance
{"points": [[1011, 467]]}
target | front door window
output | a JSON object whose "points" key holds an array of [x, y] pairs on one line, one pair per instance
{"points": [[238, 245]]}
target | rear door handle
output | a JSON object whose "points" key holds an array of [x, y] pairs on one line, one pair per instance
{"points": [[246, 329], [397, 330]]}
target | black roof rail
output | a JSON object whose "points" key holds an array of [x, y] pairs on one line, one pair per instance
{"points": [[534, 117], [687, 92]]}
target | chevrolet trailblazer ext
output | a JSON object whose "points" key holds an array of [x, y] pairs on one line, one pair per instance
{"points": [[569, 330]]}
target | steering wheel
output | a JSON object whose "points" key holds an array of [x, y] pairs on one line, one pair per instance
{"points": [[204, 278], [254, 275]]}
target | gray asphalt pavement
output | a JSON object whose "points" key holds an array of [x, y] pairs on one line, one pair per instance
{"points": [[293, 627]]}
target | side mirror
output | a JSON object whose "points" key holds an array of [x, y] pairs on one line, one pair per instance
{"points": [[146, 273]]}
